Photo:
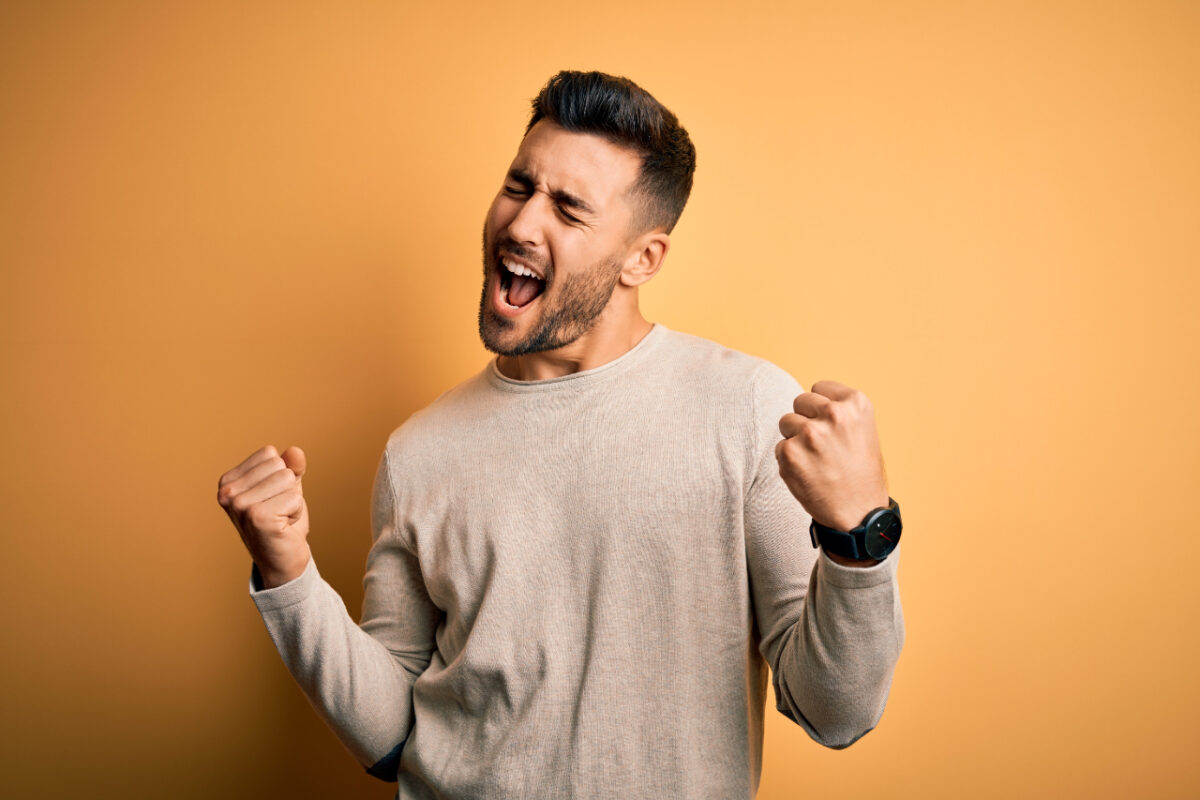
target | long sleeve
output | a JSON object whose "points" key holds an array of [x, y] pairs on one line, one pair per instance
{"points": [[359, 678], [831, 634]]}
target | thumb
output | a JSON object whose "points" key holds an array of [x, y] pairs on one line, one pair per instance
{"points": [[293, 457]]}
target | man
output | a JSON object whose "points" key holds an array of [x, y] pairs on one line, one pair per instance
{"points": [[585, 556]]}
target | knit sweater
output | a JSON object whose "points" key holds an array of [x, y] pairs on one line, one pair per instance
{"points": [[576, 585]]}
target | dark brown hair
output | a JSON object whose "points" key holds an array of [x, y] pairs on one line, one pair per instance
{"points": [[627, 115]]}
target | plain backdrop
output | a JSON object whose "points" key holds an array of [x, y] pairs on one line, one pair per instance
{"points": [[228, 224]]}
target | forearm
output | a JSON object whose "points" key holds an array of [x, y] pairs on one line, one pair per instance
{"points": [[357, 686], [834, 668]]}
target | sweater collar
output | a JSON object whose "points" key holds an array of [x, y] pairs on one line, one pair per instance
{"points": [[578, 379]]}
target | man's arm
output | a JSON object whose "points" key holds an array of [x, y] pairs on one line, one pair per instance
{"points": [[358, 678], [831, 632]]}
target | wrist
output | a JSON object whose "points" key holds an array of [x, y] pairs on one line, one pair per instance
{"points": [[852, 562], [844, 519], [280, 572], [865, 544]]}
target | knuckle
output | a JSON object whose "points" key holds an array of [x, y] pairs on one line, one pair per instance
{"points": [[810, 436], [256, 518], [269, 451], [788, 455], [240, 504]]}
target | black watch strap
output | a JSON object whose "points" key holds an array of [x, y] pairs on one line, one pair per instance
{"points": [[852, 543]]}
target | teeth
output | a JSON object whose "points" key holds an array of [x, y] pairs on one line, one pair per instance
{"points": [[518, 269]]}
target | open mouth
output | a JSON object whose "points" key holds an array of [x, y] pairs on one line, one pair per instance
{"points": [[519, 286]]}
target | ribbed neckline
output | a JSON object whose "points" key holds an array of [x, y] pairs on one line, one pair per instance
{"points": [[579, 379]]}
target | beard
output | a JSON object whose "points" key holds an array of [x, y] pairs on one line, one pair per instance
{"points": [[569, 310]]}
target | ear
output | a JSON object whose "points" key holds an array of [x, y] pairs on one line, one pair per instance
{"points": [[645, 258]]}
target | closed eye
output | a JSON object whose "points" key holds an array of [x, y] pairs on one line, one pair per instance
{"points": [[519, 184], [521, 191]]}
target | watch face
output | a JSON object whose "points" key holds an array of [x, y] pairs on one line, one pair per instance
{"points": [[883, 534]]}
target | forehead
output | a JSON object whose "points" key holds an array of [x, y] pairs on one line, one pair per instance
{"points": [[586, 165]]}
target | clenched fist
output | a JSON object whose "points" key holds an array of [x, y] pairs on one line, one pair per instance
{"points": [[262, 496], [830, 457]]}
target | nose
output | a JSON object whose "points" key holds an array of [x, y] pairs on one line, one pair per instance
{"points": [[528, 225]]}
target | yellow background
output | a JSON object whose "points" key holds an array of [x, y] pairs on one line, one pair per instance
{"points": [[224, 225]]}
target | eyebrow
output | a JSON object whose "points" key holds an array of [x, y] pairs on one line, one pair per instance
{"points": [[523, 177]]}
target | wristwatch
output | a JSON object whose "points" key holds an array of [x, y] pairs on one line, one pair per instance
{"points": [[876, 537]]}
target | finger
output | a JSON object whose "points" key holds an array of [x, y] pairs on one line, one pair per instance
{"points": [[294, 458], [274, 484], [258, 474], [790, 457], [792, 425], [833, 390], [285, 505], [811, 404], [252, 461]]}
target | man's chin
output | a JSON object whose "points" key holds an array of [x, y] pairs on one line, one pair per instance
{"points": [[511, 350], [493, 347], [492, 333], [495, 341]]}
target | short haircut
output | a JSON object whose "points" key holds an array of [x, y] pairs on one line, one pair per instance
{"points": [[627, 115]]}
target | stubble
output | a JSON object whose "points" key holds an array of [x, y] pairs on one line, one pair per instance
{"points": [[570, 309]]}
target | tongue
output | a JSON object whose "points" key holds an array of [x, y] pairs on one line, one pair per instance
{"points": [[523, 290]]}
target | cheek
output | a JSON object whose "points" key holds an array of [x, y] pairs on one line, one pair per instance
{"points": [[502, 210], [570, 250], [494, 220]]}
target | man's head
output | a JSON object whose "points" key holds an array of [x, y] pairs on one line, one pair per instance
{"points": [[625, 114], [597, 184]]}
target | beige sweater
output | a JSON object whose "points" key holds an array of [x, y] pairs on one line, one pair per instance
{"points": [[574, 584]]}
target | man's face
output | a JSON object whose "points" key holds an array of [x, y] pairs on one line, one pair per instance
{"points": [[564, 214]]}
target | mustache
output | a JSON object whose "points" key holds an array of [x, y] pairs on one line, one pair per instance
{"points": [[508, 246]]}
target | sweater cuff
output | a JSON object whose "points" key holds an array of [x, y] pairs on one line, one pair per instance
{"points": [[284, 595], [859, 577]]}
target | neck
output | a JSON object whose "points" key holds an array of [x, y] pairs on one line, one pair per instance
{"points": [[614, 334]]}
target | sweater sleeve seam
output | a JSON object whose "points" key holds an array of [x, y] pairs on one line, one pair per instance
{"points": [[750, 488], [398, 528]]}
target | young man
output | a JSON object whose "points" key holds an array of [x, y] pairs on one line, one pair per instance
{"points": [[586, 555]]}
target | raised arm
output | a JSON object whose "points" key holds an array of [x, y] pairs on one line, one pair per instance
{"points": [[831, 632], [358, 678]]}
